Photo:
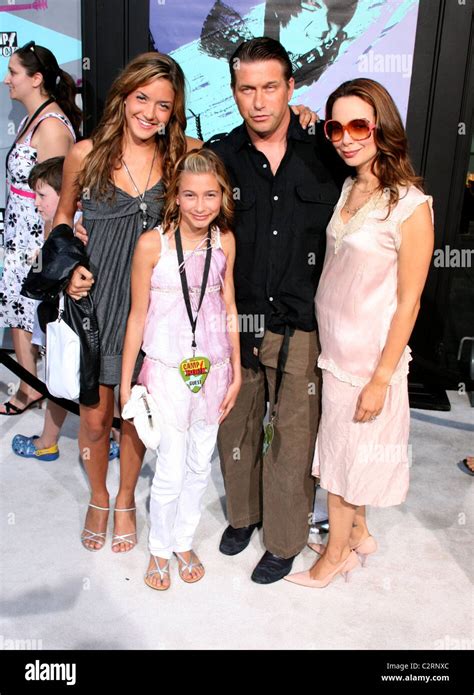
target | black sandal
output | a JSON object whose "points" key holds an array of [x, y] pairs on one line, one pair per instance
{"points": [[15, 410]]}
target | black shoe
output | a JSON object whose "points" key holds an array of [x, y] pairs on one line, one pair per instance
{"points": [[271, 568], [234, 540]]}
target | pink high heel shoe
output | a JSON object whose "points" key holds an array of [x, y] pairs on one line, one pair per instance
{"points": [[363, 549], [344, 568]]}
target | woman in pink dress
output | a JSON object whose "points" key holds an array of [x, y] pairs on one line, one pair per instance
{"points": [[379, 247]]}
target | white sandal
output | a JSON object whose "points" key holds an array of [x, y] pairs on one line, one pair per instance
{"points": [[161, 571], [124, 538], [189, 566], [96, 537]]}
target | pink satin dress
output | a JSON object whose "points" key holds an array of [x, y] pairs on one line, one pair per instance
{"points": [[167, 336], [365, 463]]}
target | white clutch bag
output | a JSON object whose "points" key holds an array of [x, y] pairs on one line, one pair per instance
{"points": [[142, 409], [63, 355]]}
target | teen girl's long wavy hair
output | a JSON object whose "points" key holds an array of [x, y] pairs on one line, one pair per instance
{"points": [[57, 83], [107, 137], [202, 161], [391, 165]]}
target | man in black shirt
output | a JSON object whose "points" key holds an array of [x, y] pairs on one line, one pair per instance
{"points": [[286, 182]]}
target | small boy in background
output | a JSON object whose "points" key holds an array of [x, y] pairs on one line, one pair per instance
{"points": [[45, 180]]}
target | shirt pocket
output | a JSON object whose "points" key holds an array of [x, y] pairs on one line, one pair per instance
{"points": [[245, 215], [317, 203]]}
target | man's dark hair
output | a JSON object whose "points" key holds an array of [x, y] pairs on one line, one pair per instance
{"points": [[261, 48], [50, 171]]}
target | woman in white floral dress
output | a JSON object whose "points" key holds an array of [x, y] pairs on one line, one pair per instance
{"points": [[48, 130]]}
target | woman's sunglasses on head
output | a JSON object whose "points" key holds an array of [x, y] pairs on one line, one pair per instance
{"points": [[358, 129], [30, 46]]}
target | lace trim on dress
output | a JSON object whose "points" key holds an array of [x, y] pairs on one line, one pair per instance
{"points": [[408, 212], [342, 229], [399, 374]]}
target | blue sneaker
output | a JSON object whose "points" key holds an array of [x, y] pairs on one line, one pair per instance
{"points": [[25, 447]]}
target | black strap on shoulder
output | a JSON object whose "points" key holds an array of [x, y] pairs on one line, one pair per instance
{"points": [[27, 125]]}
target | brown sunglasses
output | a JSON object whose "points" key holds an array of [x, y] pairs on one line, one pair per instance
{"points": [[358, 129]]}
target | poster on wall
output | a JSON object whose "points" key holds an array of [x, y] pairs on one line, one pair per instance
{"points": [[329, 41]]}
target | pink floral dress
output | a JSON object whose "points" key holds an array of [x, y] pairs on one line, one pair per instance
{"points": [[24, 232]]}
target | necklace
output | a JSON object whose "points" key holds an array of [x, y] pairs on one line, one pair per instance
{"points": [[198, 242], [141, 196], [353, 211]]}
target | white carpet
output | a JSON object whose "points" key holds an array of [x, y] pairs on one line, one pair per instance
{"points": [[415, 593]]}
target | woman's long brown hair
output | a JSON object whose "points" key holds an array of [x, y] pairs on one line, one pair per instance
{"points": [[107, 138], [391, 165]]}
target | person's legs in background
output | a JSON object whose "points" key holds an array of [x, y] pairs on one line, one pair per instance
{"points": [[26, 355]]}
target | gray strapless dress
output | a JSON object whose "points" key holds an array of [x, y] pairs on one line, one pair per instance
{"points": [[113, 227]]}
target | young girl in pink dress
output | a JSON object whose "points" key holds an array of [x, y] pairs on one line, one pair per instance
{"points": [[379, 247], [189, 258]]}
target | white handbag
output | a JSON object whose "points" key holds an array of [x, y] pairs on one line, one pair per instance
{"points": [[143, 410], [63, 354]]}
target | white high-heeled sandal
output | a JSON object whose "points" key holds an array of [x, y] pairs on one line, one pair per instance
{"points": [[96, 537], [124, 538]]}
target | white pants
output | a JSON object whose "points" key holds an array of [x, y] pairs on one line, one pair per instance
{"points": [[183, 466]]}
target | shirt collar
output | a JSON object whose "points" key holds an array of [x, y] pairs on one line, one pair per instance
{"points": [[295, 132]]}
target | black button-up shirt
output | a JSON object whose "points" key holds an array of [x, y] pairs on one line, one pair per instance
{"points": [[280, 229]]}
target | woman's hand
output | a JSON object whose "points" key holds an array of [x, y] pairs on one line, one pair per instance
{"points": [[80, 231], [371, 401], [230, 398], [80, 283], [307, 116]]}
